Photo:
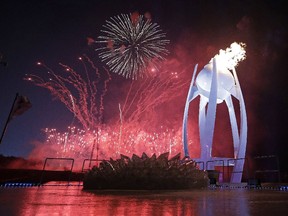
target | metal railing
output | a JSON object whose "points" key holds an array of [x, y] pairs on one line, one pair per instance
{"points": [[90, 160], [238, 171], [202, 165], [62, 159], [270, 171]]}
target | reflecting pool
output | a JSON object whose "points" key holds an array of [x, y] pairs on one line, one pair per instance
{"points": [[72, 200]]}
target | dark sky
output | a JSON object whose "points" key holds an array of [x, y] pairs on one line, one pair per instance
{"points": [[56, 31]]}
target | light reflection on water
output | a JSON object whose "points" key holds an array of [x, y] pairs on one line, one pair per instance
{"points": [[72, 200]]}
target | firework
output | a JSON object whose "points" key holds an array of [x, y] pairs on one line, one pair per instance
{"points": [[143, 97], [136, 131], [78, 143], [131, 45], [87, 104], [74, 143]]}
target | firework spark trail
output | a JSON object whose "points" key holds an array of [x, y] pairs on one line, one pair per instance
{"points": [[134, 97], [145, 99], [151, 93], [57, 87], [94, 93], [84, 105], [81, 86], [147, 96], [121, 124], [127, 97], [105, 89], [131, 46], [94, 85], [137, 98], [90, 88], [91, 95]]}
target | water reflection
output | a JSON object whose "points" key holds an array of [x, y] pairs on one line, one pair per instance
{"points": [[72, 200]]}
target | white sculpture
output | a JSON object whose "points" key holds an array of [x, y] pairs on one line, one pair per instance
{"points": [[215, 83]]}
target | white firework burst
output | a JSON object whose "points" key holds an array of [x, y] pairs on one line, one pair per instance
{"points": [[131, 46]]}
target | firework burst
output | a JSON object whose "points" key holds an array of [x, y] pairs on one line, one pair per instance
{"points": [[131, 45]]}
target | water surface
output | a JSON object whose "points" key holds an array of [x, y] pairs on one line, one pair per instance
{"points": [[72, 200]]}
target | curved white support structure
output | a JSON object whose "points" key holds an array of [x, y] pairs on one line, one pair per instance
{"points": [[215, 85], [192, 93]]}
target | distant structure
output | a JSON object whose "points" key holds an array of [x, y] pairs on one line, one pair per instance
{"points": [[214, 84]]}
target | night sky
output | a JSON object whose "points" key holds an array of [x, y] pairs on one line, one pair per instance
{"points": [[56, 31]]}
